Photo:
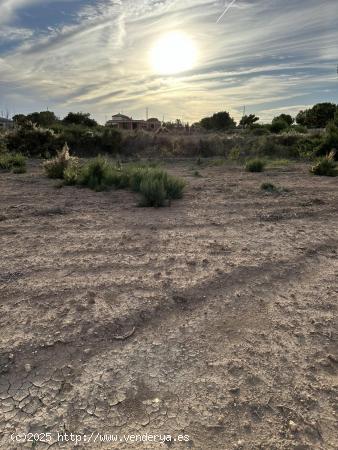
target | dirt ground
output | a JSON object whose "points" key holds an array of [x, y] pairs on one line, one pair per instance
{"points": [[213, 321]]}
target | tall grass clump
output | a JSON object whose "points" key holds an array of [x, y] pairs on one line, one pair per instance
{"points": [[56, 167], [255, 165], [152, 191], [325, 166], [13, 162]]}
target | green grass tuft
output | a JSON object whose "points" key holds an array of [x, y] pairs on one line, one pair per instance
{"points": [[255, 165]]}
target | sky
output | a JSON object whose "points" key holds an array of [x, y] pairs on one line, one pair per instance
{"points": [[270, 56]]}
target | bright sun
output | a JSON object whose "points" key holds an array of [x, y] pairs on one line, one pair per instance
{"points": [[173, 53]]}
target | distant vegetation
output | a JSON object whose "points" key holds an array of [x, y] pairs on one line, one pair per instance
{"points": [[42, 134]]}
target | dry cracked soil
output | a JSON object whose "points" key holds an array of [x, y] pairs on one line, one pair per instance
{"points": [[213, 321]]}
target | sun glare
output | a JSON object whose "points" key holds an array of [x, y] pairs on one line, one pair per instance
{"points": [[173, 53]]}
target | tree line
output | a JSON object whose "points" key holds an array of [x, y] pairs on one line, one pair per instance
{"points": [[318, 116]]}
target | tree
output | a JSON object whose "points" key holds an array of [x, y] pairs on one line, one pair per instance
{"points": [[286, 118], [80, 118], [278, 125], [42, 118], [20, 119], [318, 116], [218, 121], [248, 121]]}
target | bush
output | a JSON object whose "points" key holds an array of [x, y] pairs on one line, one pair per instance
{"points": [[174, 187], [268, 187], [325, 166], [255, 165], [71, 173], [15, 162], [33, 142], [55, 168], [329, 140], [153, 191], [97, 174], [278, 125]]}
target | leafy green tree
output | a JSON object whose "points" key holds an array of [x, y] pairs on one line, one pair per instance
{"points": [[318, 116], [248, 121], [278, 125], [218, 121], [286, 118], [20, 119], [42, 118], [80, 118]]}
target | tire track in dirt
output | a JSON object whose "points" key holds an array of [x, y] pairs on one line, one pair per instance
{"points": [[178, 302]]}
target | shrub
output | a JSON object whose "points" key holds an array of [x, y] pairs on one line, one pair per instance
{"points": [[255, 165], [97, 174], [152, 191], [33, 141], [329, 140], [278, 125], [325, 166], [19, 170], [56, 167], [268, 187], [174, 187], [15, 162], [71, 173]]}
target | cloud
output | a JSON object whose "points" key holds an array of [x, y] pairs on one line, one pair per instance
{"points": [[267, 55]]}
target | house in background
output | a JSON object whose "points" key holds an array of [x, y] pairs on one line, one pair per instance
{"points": [[6, 123], [122, 122]]}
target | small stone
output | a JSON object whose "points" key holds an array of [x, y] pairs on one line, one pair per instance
{"points": [[293, 426], [220, 420], [28, 368]]}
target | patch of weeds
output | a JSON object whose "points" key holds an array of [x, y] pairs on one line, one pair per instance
{"points": [[155, 185], [278, 163], [97, 174], [269, 187], [217, 162], [255, 165], [56, 167], [197, 174], [71, 173], [325, 166], [13, 162], [272, 189], [19, 170], [235, 154]]}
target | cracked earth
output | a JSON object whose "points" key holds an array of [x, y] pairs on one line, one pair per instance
{"points": [[215, 318]]}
